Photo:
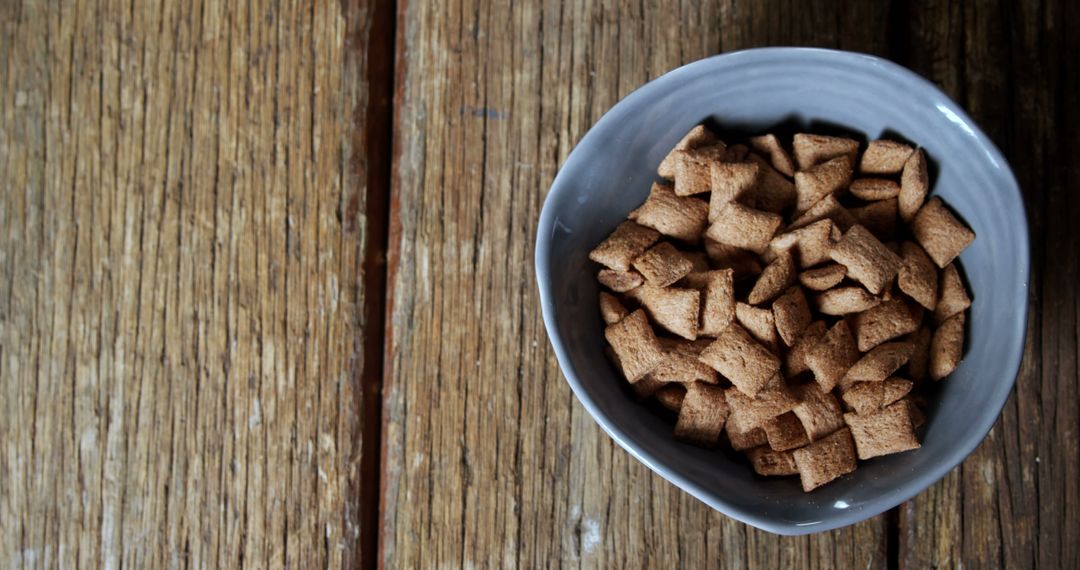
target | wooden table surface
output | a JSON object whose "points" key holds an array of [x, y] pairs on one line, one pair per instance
{"points": [[267, 298]]}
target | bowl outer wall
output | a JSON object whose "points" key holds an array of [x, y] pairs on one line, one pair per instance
{"points": [[609, 173]]}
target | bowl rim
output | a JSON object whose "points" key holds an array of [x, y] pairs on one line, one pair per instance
{"points": [[844, 518]]}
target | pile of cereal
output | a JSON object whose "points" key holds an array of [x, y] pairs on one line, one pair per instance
{"points": [[789, 302]]}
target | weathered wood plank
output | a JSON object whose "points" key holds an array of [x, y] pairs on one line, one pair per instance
{"points": [[186, 259]]}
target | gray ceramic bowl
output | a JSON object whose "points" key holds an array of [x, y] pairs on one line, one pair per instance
{"points": [[609, 173]]}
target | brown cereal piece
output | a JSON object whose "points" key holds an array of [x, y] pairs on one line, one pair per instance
{"points": [[777, 276], [824, 277], [918, 277], [882, 432], [785, 432], [671, 308], [742, 262], [771, 463], [795, 359], [702, 415], [741, 435], [628, 241], [885, 157], [845, 301], [954, 296], [662, 265], [773, 192], [770, 146], [698, 260], [868, 397], [818, 411], [918, 418], [826, 459], [730, 181], [759, 323], [878, 217], [741, 359], [670, 396], [611, 309], [681, 363], [773, 400], [698, 137], [914, 185], [814, 149], [737, 153], [619, 281], [919, 363], [694, 280], [718, 302], [693, 169], [832, 356], [879, 363], [744, 227], [868, 261], [635, 344], [885, 321], [646, 387], [873, 189], [791, 313], [815, 183], [809, 245], [940, 233], [826, 208], [946, 346], [681, 218]]}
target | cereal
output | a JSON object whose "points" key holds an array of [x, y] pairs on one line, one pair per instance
{"points": [[718, 302], [773, 192], [693, 169], [914, 185], [777, 276], [702, 415], [818, 411], [795, 359], [878, 217], [919, 363], [670, 396], [681, 364], [662, 265], [779, 158], [628, 241], [879, 363], [868, 261], [845, 301], [678, 217], [815, 183], [826, 459], [885, 321], [742, 436], [828, 208], [872, 189], [737, 153], [759, 322], [741, 359], [619, 281], [868, 397], [744, 227], [940, 233], [946, 346], [918, 278], [648, 387], [768, 462], [822, 278], [673, 309], [808, 245], [813, 149], [635, 344], [832, 356], [730, 180], [742, 262], [785, 432], [775, 399], [698, 137], [954, 297], [884, 157], [882, 432], [611, 310], [791, 313]]}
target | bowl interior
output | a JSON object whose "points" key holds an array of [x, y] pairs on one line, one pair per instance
{"points": [[609, 173]]}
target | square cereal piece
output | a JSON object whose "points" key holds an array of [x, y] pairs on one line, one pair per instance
{"points": [[832, 356], [670, 396], [826, 459], [777, 276], [824, 277], [772, 463], [785, 432], [759, 322], [698, 260], [730, 181], [698, 137], [791, 313], [947, 346], [693, 169], [742, 262], [813, 149], [954, 296], [770, 146], [662, 265], [873, 189], [773, 400], [826, 209], [741, 359], [885, 321], [773, 192], [744, 227], [635, 344], [878, 217], [808, 245], [868, 397], [882, 432], [681, 218], [868, 261], [743, 436], [914, 185], [628, 241], [845, 301], [879, 363], [919, 363], [813, 184], [671, 308], [795, 359], [940, 233], [885, 157], [718, 302], [918, 277], [681, 363], [611, 309], [818, 411], [619, 281], [702, 415]]}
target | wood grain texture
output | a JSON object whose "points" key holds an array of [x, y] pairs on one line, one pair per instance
{"points": [[488, 459], [182, 239]]}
